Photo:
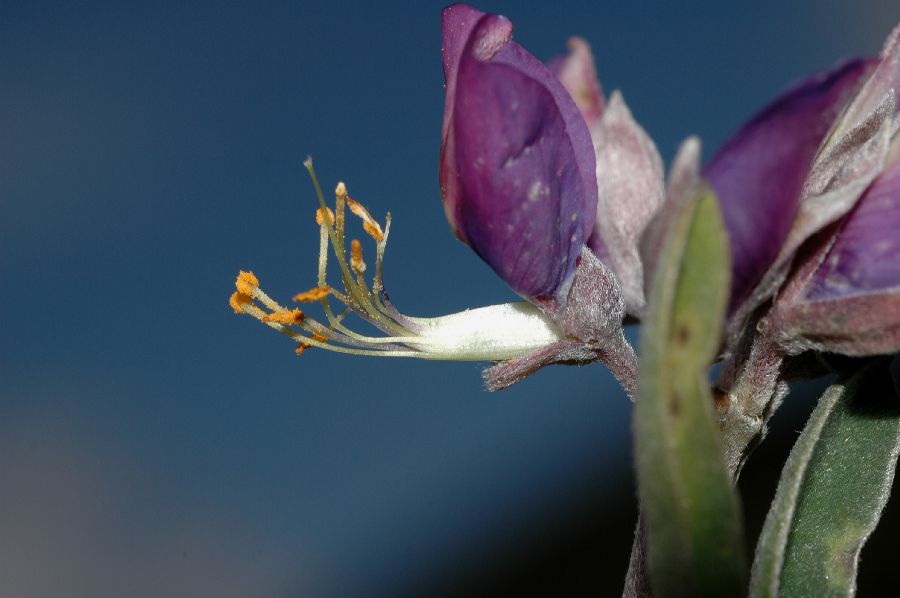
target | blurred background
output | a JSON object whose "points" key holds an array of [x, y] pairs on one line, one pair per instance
{"points": [[154, 444]]}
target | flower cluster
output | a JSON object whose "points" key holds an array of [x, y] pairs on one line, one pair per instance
{"points": [[810, 193], [563, 194]]}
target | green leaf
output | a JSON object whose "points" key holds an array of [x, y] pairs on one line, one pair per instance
{"points": [[694, 536], [832, 490]]}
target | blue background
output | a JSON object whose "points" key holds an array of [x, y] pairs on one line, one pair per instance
{"points": [[152, 443]]}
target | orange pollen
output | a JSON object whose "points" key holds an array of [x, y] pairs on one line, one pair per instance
{"points": [[320, 219], [286, 317], [314, 294], [246, 283], [238, 300], [356, 257], [370, 225], [374, 230], [299, 349]]}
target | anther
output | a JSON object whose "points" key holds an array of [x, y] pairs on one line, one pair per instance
{"points": [[286, 317], [314, 294], [237, 301], [370, 225], [246, 283], [356, 257], [320, 219], [300, 348]]}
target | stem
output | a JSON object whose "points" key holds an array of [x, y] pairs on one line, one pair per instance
{"points": [[619, 357], [750, 387]]}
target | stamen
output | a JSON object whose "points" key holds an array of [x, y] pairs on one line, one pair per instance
{"points": [[340, 196], [497, 332], [370, 225], [299, 349], [377, 281], [361, 300], [294, 316], [238, 300], [325, 233], [356, 257], [270, 303], [314, 294], [320, 219], [246, 282]]}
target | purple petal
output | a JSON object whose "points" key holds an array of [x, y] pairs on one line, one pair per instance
{"points": [[865, 256], [843, 170], [517, 165], [759, 173], [457, 23], [844, 295], [840, 175], [577, 73]]}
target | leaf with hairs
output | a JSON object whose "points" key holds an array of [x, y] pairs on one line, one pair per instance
{"points": [[693, 522], [833, 489]]}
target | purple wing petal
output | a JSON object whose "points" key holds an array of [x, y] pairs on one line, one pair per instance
{"points": [[517, 165], [865, 256], [844, 294], [759, 173], [457, 23], [577, 73]]}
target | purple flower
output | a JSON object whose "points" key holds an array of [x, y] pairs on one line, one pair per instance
{"points": [[523, 146], [843, 296], [518, 179], [525, 150], [759, 173], [800, 166], [524, 182]]}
